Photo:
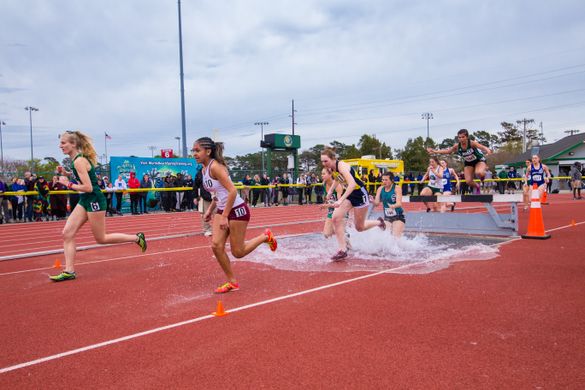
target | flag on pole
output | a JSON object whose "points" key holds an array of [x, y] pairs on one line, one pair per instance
{"points": [[107, 136]]}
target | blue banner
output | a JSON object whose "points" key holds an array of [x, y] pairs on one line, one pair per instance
{"points": [[156, 168]]}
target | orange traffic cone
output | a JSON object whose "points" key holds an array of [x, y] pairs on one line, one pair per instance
{"points": [[535, 222], [573, 224], [543, 200], [219, 312], [57, 264]]}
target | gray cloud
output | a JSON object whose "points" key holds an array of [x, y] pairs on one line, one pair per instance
{"points": [[351, 67]]}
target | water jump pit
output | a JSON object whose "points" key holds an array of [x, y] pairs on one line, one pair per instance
{"points": [[376, 250]]}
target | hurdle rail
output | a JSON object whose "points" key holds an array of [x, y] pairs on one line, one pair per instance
{"points": [[491, 223]]}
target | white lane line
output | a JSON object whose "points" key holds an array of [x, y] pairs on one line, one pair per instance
{"points": [[187, 322]]}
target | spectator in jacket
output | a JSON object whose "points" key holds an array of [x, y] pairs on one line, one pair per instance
{"points": [[266, 192], [179, 182], [42, 187], [203, 200], [58, 201], [120, 186], [256, 191], [5, 215], [134, 183], [189, 195], [29, 184], [17, 201], [143, 196]]}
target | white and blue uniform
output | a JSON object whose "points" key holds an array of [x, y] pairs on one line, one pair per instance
{"points": [[537, 175], [447, 180]]}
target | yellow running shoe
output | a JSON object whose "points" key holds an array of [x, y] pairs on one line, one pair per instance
{"points": [[227, 287]]}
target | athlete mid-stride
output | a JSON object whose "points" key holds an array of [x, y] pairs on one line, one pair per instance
{"points": [[232, 215], [354, 197], [92, 202], [473, 156]]}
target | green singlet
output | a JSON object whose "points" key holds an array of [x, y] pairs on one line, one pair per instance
{"points": [[91, 201]]}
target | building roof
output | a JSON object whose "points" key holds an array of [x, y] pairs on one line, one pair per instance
{"points": [[550, 152]]}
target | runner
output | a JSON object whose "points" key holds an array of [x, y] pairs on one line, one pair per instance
{"points": [[328, 181], [435, 175], [390, 195], [92, 202], [233, 214], [448, 175], [354, 197], [538, 174], [474, 159]]}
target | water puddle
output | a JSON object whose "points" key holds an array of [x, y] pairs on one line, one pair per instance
{"points": [[375, 250]]}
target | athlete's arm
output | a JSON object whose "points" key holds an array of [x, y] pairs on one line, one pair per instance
{"points": [[454, 174], [547, 171], [344, 170], [477, 145], [450, 150], [219, 172], [376, 201], [332, 188], [398, 192], [82, 167]]}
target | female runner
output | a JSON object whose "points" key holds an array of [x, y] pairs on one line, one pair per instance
{"points": [[435, 186], [233, 214], [538, 174], [354, 197], [448, 175], [92, 202], [390, 195], [328, 181], [473, 158]]}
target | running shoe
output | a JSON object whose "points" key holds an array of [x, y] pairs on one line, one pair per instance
{"points": [[428, 209], [271, 240], [63, 276], [227, 287], [340, 255], [453, 207], [141, 241], [382, 224]]}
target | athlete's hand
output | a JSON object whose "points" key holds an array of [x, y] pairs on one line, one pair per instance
{"points": [[372, 199], [207, 216], [336, 204], [64, 180], [223, 223]]}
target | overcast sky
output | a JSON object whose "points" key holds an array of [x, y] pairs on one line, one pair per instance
{"points": [[352, 67]]}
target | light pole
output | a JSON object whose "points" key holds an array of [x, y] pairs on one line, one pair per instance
{"points": [[30, 109], [152, 149], [262, 124], [183, 126], [427, 116], [179, 142], [2, 123]]}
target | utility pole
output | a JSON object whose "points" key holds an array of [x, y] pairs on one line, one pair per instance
{"points": [[293, 117], [541, 132], [571, 132], [427, 116], [524, 122]]}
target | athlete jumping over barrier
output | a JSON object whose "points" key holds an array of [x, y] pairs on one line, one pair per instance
{"points": [[473, 158]]}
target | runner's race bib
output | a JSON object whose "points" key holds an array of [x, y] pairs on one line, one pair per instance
{"points": [[537, 177], [389, 212]]}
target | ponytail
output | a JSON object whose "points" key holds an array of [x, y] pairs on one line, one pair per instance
{"points": [[84, 143], [329, 151]]}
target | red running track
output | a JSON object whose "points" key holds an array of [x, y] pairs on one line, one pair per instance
{"points": [[514, 322]]}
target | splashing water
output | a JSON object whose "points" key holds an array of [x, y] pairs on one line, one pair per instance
{"points": [[375, 250]]}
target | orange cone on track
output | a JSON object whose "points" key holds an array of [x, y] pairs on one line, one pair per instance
{"points": [[57, 264], [573, 223], [219, 312], [544, 200], [535, 222]]}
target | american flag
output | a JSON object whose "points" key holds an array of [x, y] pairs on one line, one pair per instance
{"points": [[107, 136]]}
